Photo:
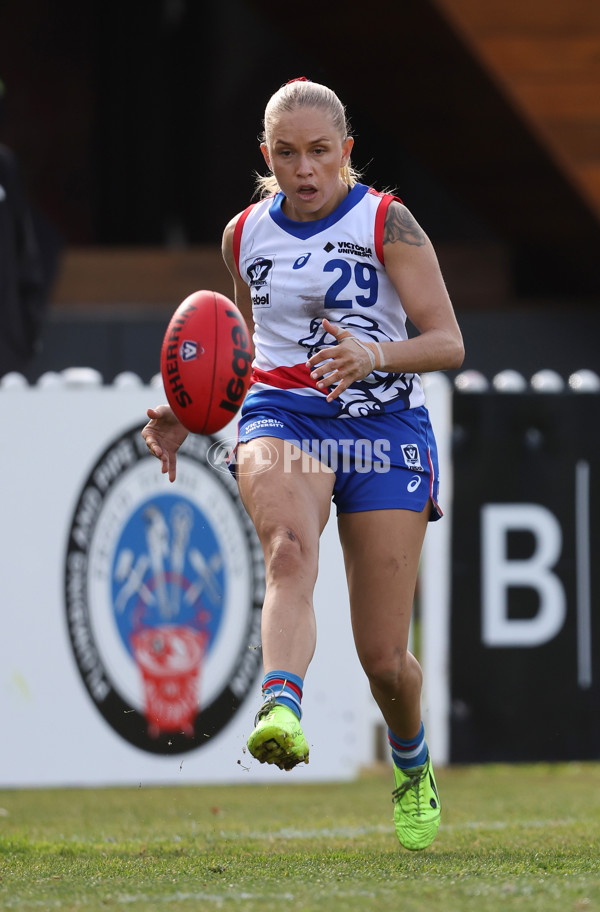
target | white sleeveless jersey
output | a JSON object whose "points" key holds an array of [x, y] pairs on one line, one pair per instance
{"points": [[300, 272]]}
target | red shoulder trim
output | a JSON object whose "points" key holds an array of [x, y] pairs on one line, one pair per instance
{"points": [[237, 234], [386, 199]]}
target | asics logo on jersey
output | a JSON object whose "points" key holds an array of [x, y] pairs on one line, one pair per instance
{"points": [[301, 261], [258, 270]]}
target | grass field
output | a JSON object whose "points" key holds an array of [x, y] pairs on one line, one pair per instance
{"points": [[513, 837]]}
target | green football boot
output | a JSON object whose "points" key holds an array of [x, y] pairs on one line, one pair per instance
{"points": [[278, 737], [417, 806]]}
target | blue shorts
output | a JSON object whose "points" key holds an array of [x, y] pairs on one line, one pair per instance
{"points": [[382, 462]]}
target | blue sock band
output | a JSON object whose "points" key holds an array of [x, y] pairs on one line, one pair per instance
{"points": [[407, 754], [286, 688]]}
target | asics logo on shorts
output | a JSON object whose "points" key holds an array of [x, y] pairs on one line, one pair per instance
{"points": [[413, 484]]}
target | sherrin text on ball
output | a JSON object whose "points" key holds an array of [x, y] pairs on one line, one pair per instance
{"points": [[206, 361]]}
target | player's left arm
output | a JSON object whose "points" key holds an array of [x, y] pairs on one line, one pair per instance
{"points": [[413, 268]]}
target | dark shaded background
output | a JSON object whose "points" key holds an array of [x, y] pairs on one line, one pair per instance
{"points": [[137, 126], [523, 702]]}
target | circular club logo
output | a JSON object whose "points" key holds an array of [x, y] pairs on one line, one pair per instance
{"points": [[164, 587]]}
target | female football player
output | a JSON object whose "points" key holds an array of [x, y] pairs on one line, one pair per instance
{"points": [[328, 270]]}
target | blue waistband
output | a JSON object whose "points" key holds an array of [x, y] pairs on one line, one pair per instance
{"points": [[315, 406]]}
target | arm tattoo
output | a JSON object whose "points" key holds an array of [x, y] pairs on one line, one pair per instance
{"points": [[401, 226]]}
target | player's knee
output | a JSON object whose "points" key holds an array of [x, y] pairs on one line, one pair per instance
{"points": [[286, 555], [388, 671]]}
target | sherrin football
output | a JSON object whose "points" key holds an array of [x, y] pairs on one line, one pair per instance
{"points": [[205, 361]]}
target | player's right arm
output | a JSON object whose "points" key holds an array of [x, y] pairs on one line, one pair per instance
{"points": [[241, 289]]}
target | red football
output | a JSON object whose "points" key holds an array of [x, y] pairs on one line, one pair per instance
{"points": [[205, 361]]}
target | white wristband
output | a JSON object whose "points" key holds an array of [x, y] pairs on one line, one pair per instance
{"points": [[368, 351], [380, 352]]}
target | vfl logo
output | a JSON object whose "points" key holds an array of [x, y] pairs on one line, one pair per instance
{"points": [[301, 261], [410, 451], [163, 596], [258, 270], [188, 350]]}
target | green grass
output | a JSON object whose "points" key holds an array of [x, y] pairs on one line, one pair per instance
{"points": [[513, 838]]}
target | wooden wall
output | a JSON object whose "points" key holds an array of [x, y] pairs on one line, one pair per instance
{"points": [[545, 54], [102, 280], [153, 278]]}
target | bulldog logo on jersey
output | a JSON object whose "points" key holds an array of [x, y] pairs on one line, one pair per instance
{"points": [[372, 394]]}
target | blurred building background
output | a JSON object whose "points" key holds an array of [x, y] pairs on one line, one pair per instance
{"points": [[136, 127]]}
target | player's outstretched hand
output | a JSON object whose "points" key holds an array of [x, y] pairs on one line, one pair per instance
{"points": [[164, 434]]}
